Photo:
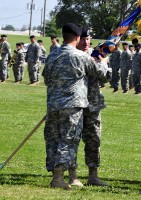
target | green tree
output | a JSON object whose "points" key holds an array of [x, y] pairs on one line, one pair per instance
{"points": [[8, 28], [102, 15], [51, 28]]}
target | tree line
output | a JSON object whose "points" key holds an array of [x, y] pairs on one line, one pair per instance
{"points": [[102, 16]]}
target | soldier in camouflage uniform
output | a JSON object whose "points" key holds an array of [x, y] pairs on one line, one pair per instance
{"points": [[23, 65], [125, 66], [32, 58], [136, 69], [92, 119], [132, 50], [19, 60], [5, 55], [42, 53], [115, 65], [55, 43], [65, 75]]}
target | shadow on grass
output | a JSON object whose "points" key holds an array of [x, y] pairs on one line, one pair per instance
{"points": [[44, 181], [25, 179]]}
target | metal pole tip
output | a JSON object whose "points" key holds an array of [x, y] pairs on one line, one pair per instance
{"points": [[1, 166]]}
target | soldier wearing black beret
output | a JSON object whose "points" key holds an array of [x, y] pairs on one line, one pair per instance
{"points": [[55, 43], [3, 36], [65, 75], [91, 118]]}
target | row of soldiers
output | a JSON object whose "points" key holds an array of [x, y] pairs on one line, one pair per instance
{"points": [[32, 55], [126, 65]]}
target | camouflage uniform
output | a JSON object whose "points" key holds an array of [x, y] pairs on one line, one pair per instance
{"points": [[136, 70], [32, 58], [23, 64], [5, 53], [115, 65], [65, 75], [92, 123], [42, 52], [19, 61], [131, 84], [125, 65], [53, 47]]}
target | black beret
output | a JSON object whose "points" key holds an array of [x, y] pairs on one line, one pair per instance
{"points": [[72, 28], [53, 36], [85, 32], [18, 44], [32, 36], [138, 45], [3, 35], [125, 43], [40, 41]]}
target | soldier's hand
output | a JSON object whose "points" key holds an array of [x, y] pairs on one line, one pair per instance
{"points": [[104, 60]]}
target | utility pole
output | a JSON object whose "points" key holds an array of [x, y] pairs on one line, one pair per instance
{"points": [[41, 21], [44, 18], [30, 25]]}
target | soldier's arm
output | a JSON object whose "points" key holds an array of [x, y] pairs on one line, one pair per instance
{"points": [[100, 69], [37, 52], [45, 72], [8, 49], [22, 56]]}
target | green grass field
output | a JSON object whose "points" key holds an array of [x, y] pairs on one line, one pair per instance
{"points": [[25, 178]]}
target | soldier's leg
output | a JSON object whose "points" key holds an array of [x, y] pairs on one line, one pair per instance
{"points": [[136, 82], [32, 70], [38, 71], [16, 70], [52, 138], [91, 137], [71, 124], [22, 68], [130, 79], [4, 70], [124, 79]]}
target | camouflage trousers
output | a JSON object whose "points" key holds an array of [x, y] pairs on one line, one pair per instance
{"points": [[137, 81], [91, 137], [126, 79], [38, 71], [115, 77], [32, 71], [62, 135], [18, 72], [3, 70], [22, 69]]}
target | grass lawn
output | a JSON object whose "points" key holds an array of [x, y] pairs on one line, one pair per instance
{"points": [[25, 177]]}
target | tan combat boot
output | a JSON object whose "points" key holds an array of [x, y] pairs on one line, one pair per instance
{"points": [[73, 180], [58, 179], [93, 178]]}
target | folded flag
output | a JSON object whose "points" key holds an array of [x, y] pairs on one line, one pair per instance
{"points": [[109, 45]]}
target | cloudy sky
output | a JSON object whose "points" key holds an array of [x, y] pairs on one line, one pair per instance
{"points": [[15, 12]]}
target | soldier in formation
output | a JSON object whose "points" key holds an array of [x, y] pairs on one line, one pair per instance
{"points": [[136, 69], [32, 59], [125, 66], [115, 65], [18, 62], [5, 56]]}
